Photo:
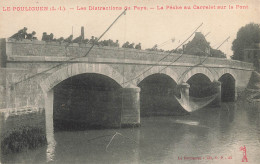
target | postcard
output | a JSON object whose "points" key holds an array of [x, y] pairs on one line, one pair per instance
{"points": [[130, 81]]}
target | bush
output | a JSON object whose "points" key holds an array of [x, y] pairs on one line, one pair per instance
{"points": [[26, 138]]}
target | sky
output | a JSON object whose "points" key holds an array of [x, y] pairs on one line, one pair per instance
{"points": [[149, 27]]}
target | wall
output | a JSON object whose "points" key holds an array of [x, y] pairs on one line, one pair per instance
{"points": [[2, 72], [29, 93], [2, 53]]}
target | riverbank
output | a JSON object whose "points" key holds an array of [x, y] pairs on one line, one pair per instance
{"points": [[21, 130], [214, 134]]}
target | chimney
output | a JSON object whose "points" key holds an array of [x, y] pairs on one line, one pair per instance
{"points": [[82, 33]]}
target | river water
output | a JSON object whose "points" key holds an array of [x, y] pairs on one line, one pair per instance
{"points": [[210, 135]]}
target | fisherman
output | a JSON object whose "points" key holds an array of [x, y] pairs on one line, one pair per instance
{"points": [[60, 40], [138, 46], [86, 41], [20, 35], [23, 32], [102, 43], [126, 45], [92, 40], [78, 39], [105, 42], [96, 41], [131, 45], [116, 43], [31, 36], [69, 39], [44, 36], [16, 36], [155, 47], [110, 43], [50, 37]]}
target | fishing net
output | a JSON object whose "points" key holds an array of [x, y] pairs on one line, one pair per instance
{"points": [[192, 104]]}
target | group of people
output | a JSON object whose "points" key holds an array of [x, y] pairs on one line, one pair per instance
{"points": [[22, 34], [92, 40], [80, 39], [109, 43], [50, 38], [155, 48], [132, 45]]}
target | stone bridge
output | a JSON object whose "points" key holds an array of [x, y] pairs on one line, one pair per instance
{"points": [[109, 85]]}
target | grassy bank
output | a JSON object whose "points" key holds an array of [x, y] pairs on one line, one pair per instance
{"points": [[21, 139]]}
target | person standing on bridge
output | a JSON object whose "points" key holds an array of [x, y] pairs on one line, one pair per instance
{"points": [[138, 46]]}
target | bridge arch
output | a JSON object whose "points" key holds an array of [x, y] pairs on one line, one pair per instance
{"points": [[80, 68], [196, 70], [228, 87], [158, 91], [227, 71], [71, 71], [157, 70]]}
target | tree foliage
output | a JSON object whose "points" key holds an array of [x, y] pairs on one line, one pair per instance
{"points": [[247, 37]]}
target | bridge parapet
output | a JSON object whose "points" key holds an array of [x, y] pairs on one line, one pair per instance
{"points": [[54, 51]]}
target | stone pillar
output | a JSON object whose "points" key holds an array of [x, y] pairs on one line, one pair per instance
{"points": [[48, 97], [235, 98], [13, 100], [2, 122], [2, 97], [130, 113], [217, 89], [185, 93], [8, 99]]}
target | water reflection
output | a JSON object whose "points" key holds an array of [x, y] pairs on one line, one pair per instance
{"points": [[50, 152], [215, 134]]}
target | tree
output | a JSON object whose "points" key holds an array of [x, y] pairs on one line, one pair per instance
{"points": [[247, 37]]}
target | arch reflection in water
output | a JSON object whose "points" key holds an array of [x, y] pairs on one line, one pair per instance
{"points": [[50, 151], [49, 127]]}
